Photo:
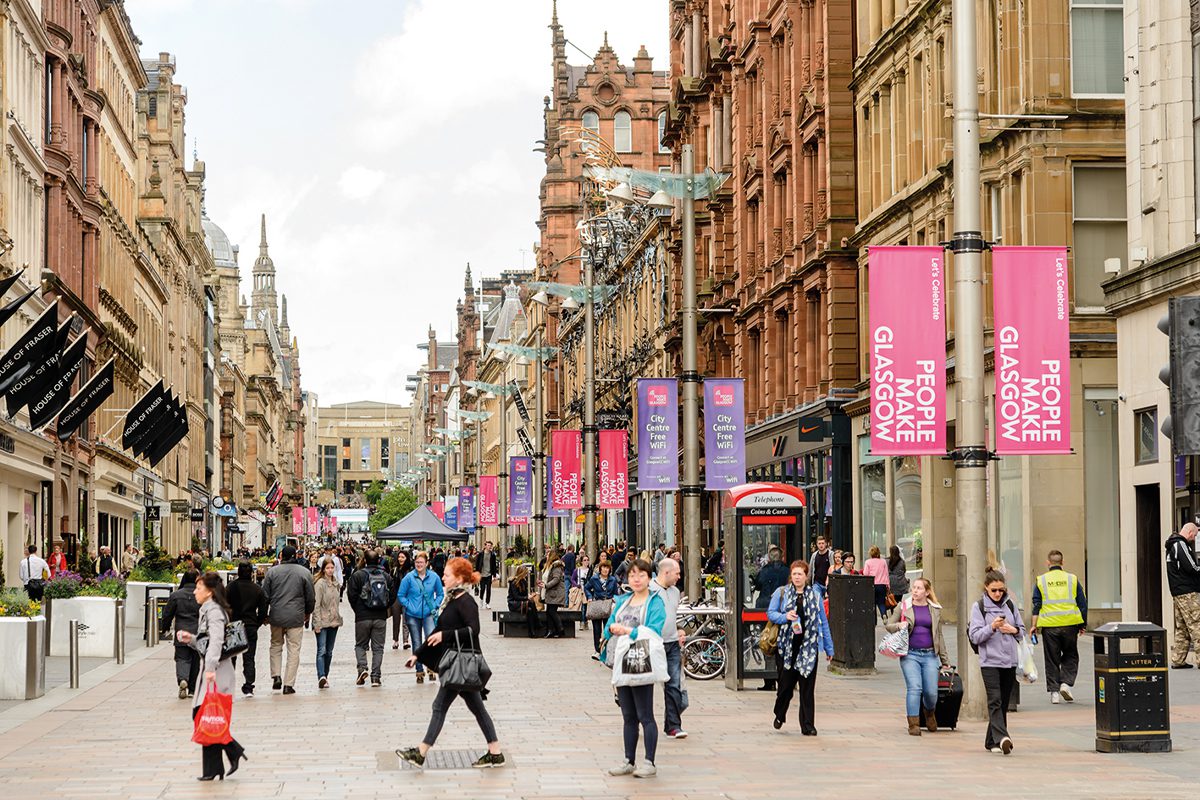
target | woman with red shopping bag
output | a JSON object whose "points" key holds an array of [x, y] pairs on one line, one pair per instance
{"points": [[214, 695]]}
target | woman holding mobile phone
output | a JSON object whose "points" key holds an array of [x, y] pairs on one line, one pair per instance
{"points": [[996, 629]]}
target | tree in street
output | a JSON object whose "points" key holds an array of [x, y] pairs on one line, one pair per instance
{"points": [[392, 507]]}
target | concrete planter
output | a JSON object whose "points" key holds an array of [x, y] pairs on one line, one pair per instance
{"points": [[22, 658], [135, 601], [99, 614]]}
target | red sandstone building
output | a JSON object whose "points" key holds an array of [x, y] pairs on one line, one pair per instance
{"points": [[761, 93]]}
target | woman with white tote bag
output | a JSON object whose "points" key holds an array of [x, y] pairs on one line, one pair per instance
{"points": [[639, 661]]}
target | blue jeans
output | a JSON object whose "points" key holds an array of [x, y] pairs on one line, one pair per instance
{"points": [[419, 629], [672, 689], [325, 639], [920, 668]]}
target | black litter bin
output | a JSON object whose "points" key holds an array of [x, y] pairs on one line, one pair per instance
{"points": [[156, 605], [1133, 713], [852, 622]]}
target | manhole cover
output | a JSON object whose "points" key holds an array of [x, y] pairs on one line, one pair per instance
{"points": [[437, 759]]}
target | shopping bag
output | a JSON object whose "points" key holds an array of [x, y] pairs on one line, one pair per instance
{"points": [[895, 644], [213, 720], [1026, 664], [641, 662]]}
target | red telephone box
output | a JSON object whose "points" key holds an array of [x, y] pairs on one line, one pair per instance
{"points": [[757, 517]]}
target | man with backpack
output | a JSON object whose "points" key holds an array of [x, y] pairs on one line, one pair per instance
{"points": [[371, 591]]}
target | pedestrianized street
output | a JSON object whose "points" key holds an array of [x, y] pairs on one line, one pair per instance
{"points": [[127, 736]]}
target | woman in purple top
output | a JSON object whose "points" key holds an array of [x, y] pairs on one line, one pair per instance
{"points": [[922, 615]]}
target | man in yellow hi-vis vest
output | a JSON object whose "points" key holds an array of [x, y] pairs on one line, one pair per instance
{"points": [[1060, 611]]}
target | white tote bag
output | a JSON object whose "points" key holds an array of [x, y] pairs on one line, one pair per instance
{"points": [[641, 662], [1026, 664]]}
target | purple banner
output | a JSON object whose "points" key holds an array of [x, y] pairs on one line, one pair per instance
{"points": [[724, 433], [658, 434], [520, 488], [466, 508]]}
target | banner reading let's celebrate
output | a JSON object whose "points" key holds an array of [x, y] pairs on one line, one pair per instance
{"points": [[907, 347], [1033, 357]]}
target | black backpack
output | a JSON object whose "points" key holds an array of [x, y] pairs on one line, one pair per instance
{"points": [[1007, 601], [374, 594]]}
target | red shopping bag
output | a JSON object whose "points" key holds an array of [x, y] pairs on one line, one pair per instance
{"points": [[214, 717]]}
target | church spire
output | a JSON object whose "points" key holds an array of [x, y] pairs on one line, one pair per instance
{"points": [[263, 296], [262, 243]]}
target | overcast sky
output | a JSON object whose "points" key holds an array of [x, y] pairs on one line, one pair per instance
{"points": [[389, 142]]}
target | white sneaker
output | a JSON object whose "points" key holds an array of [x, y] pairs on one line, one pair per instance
{"points": [[646, 770], [678, 733], [624, 769], [996, 750], [1066, 693], [1055, 698]]}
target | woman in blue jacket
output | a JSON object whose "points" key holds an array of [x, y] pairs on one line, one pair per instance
{"points": [[631, 613], [421, 595], [803, 629], [600, 587]]}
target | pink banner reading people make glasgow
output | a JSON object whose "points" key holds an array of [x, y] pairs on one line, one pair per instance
{"points": [[312, 521], [565, 486], [907, 347], [1032, 352], [489, 510], [297, 521], [613, 486], [439, 510]]}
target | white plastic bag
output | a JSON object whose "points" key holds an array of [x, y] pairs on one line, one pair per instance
{"points": [[895, 644], [640, 662], [1027, 670]]}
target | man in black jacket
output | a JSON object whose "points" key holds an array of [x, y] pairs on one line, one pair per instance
{"points": [[488, 566], [371, 591], [249, 605], [1183, 579], [184, 611]]}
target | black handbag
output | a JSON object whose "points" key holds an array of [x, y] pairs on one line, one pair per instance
{"points": [[464, 670], [235, 642]]}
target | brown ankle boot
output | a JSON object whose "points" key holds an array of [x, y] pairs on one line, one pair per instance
{"points": [[930, 720], [914, 726]]}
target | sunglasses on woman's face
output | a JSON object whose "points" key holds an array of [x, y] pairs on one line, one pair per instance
{"points": [[996, 590]]}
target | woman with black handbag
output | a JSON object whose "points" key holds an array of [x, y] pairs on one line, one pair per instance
{"points": [[219, 672], [458, 623], [600, 589]]}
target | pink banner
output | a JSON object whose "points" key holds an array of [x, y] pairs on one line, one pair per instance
{"points": [[313, 525], [489, 508], [566, 489], [439, 510], [613, 486], [907, 329], [297, 520], [1032, 350]]}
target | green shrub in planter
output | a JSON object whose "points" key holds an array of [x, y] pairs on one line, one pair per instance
{"points": [[63, 585], [16, 603], [108, 585]]}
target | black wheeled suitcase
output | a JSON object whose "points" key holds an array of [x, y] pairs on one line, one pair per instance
{"points": [[949, 702]]}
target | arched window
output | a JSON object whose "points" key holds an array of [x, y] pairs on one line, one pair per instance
{"points": [[591, 121], [662, 131], [622, 133]]}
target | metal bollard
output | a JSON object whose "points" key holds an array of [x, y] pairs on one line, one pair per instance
{"points": [[73, 632], [119, 637], [151, 622]]}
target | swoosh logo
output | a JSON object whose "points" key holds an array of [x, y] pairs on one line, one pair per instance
{"points": [[808, 430]]}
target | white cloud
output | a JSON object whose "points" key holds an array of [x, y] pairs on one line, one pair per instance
{"points": [[359, 182], [386, 167]]}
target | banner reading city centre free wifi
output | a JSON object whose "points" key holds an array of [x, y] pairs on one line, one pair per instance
{"points": [[658, 434], [907, 348], [724, 433], [1032, 351]]}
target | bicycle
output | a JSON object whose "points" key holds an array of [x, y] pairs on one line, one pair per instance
{"points": [[703, 655]]}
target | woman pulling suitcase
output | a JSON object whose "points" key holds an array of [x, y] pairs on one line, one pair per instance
{"points": [[921, 613]]}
